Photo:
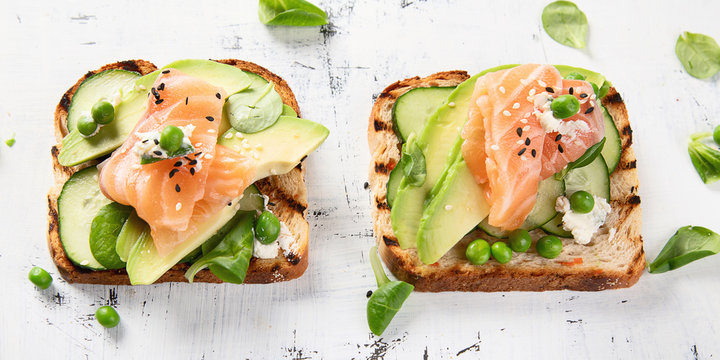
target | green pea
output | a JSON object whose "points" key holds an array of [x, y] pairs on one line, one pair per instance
{"points": [[581, 202], [478, 252], [716, 135], [565, 106], [501, 252], [103, 112], [520, 240], [267, 227], [171, 138], [549, 247], [40, 277], [575, 76], [107, 316], [86, 126]]}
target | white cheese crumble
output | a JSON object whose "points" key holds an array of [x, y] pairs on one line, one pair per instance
{"points": [[583, 226], [285, 241], [570, 128]]}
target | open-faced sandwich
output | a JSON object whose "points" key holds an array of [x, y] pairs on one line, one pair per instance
{"points": [[516, 178], [188, 172]]}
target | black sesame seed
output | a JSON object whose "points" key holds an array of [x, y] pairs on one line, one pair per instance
{"points": [[527, 141], [522, 151], [229, 204], [177, 187], [550, 90], [271, 203], [570, 91], [173, 172], [560, 149], [158, 153], [158, 101], [198, 153], [166, 71], [155, 93], [156, 141], [582, 96], [187, 158], [192, 162], [368, 294], [179, 163], [589, 110], [192, 171], [161, 87], [210, 118], [533, 152], [217, 95], [558, 137], [519, 131], [145, 141], [186, 100]]}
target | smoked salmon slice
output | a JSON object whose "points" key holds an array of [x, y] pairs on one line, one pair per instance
{"points": [[507, 148], [174, 195]]}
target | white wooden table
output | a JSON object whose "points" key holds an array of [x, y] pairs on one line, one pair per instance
{"points": [[335, 71]]}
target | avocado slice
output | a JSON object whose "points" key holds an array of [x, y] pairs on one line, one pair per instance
{"points": [[77, 149], [130, 233], [438, 138], [279, 148]]}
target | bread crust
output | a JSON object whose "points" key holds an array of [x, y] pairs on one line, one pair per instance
{"points": [[287, 194], [526, 271]]}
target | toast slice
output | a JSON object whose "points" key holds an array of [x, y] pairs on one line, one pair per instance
{"points": [[287, 193], [607, 262]]}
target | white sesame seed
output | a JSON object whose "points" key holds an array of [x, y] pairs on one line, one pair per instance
{"points": [[520, 142], [239, 135], [523, 157], [592, 97], [273, 172], [228, 136], [448, 207], [542, 83], [523, 81], [506, 113], [208, 156], [502, 89], [524, 121], [198, 144], [516, 105], [451, 104], [495, 147], [532, 92], [526, 128], [84, 262], [178, 206], [212, 131]]}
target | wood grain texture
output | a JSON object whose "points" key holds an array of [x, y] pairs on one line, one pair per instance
{"points": [[335, 72]]}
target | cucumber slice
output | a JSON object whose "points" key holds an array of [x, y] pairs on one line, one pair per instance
{"points": [[103, 85], [613, 145], [393, 184], [413, 108], [543, 211], [593, 178], [78, 203]]}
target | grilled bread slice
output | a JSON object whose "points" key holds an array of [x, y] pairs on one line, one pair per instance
{"points": [[607, 262], [287, 200]]}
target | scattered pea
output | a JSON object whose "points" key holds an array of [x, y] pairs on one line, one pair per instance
{"points": [[501, 252], [549, 247], [86, 126], [581, 202], [716, 135], [520, 240], [267, 227], [40, 277], [103, 112], [478, 252], [575, 76], [565, 106], [171, 138], [107, 316]]}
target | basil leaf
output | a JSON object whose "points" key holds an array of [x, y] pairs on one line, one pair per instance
{"points": [[584, 159], [229, 260], [387, 300], [699, 54], [413, 162], [705, 158], [689, 243], [565, 23], [254, 109], [290, 13]]}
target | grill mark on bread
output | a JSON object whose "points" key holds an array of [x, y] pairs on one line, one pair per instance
{"points": [[292, 258], [634, 200], [53, 216], [613, 98], [381, 126], [390, 241], [381, 168], [130, 65], [65, 100], [381, 205], [637, 257], [630, 165]]}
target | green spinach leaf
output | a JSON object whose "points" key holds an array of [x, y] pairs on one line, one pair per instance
{"points": [[565, 23], [705, 158], [584, 159], [387, 300], [699, 54], [413, 162], [254, 109], [229, 260], [290, 13], [687, 245]]}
